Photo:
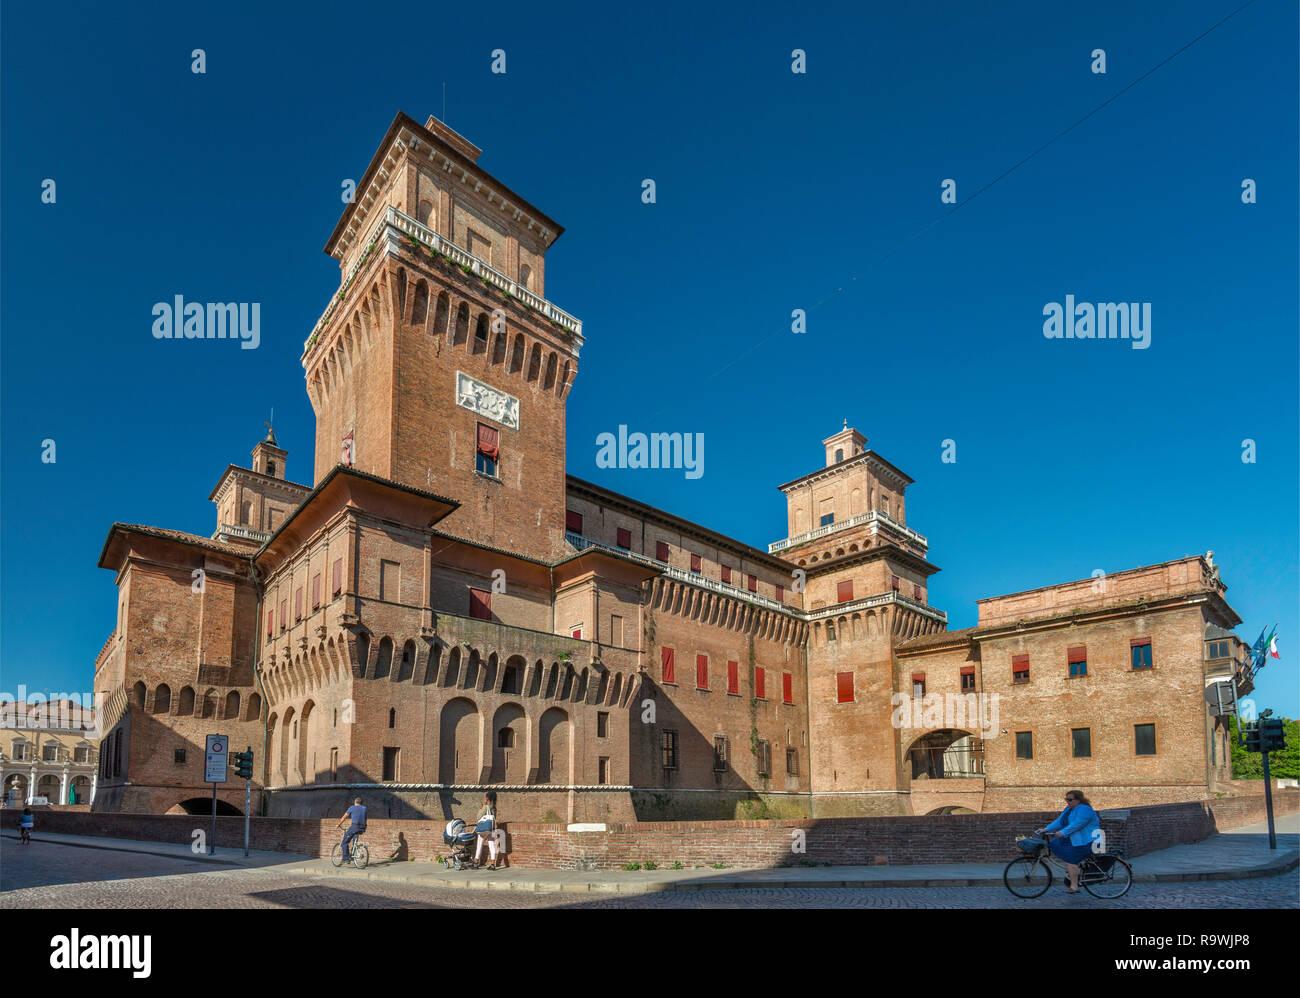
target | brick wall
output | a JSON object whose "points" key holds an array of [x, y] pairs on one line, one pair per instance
{"points": [[973, 838]]}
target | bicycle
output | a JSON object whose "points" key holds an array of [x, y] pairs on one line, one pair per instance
{"points": [[360, 854], [24, 834], [1102, 875]]}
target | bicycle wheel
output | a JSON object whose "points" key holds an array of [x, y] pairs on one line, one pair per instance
{"points": [[1114, 883], [360, 855], [336, 857], [1027, 877]]}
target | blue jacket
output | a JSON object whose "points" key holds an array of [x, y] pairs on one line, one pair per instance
{"points": [[1078, 822]]}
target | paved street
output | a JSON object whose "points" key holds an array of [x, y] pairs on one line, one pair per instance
{"points": [[46, 875]]}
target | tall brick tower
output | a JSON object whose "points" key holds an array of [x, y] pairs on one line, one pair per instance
{"points": [[865, 591], [440, 364]]}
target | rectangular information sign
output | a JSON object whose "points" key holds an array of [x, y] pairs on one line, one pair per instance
{"points": [[214, 764]]}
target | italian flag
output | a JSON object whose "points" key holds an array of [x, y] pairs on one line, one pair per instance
{"points": [[1272, 644]]}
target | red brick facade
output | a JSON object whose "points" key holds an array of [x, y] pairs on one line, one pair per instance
{"points": [[445, 611]]}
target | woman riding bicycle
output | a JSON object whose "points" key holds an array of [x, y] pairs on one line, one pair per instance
{"points": [[1071, 835]]}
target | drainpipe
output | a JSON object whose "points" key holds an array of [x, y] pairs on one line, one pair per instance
{"points": [[257, 673]]}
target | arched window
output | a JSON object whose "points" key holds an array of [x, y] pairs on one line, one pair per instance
{"points": [[162, 699], [392, 717], [839, 455], [481, 334], [186, 705], [525, 275], [137, 694], [254, 707], [420, 307], [232, 705]]}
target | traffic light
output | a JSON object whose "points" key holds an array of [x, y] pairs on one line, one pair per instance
{"points": [[1272, 735], [1252, 738], [244, 764]]}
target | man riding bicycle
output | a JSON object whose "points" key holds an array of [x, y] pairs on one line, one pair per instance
{"points": [[357, 814], [1071, 835]]}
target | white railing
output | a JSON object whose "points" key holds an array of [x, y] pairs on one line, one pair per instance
{"points": [[406, 224], [866, 602], [693, 578], [852, 521], [246, 532]]}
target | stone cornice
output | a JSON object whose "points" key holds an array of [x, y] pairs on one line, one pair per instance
{"points": [[885, 471]]}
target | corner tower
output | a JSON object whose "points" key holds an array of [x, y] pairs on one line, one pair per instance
{"points": [[439, 363]]}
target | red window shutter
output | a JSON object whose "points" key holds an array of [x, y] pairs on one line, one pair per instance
{"points": [[1019, 663], [624, 538], [787, 687], [670, 672], [753, 583], [918, 677], [576, 633], [726, 573], [572, 521], [896, 583], [487, 441], [480, 604], [844, 687], [844, 591], [968, 670], [702, 672], [916, 591], [297, 603], [1077, 654], [661, 551], [270, 622], [338, 576], [760, 683], [733, 677], [284, 614], [780, 594], [695, 563], [315, 591]]}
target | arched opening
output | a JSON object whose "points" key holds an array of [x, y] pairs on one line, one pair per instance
{"points": [[286, 737], [138, 694], [232, 705], [254, 707], [203, 806], [517, 355], [452, 672], [549, 383], [471, 670], [420, 306], [406, 667], [162, 699], [462, 324], [509, 740], [362, 655], [553, 747], [440, 314], [185, 707], [513, 680], [431, 668], [951, 809], [945, 755], [458, 742], [384, 664], [306, 763], [535, 362], [490, 674], [525, 275], [480, 334]]}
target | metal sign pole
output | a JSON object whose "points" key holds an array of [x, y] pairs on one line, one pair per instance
{"points": [[248, 792], [1268, 804], [212, 841]]}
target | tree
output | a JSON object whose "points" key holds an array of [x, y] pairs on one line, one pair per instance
{"points": [[1284, 765]]}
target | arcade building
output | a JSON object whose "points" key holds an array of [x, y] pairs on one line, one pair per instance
{"points": [[444, 610]]}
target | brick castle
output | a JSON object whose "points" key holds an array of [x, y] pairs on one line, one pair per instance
{"points": [[445, 611]]}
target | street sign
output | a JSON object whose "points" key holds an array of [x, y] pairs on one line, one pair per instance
{"points": [[214, 765], [1222, 697]]}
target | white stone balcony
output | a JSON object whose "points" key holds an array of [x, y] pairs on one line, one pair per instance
{"points": [[869, 602], [876, 518], [247, 533], [393, 222]]}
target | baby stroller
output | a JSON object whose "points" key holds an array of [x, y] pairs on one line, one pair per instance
{"points": [[461, 840]]}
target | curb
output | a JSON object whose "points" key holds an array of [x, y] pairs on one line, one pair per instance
{"points": [[197, 858], [1283, 864]]}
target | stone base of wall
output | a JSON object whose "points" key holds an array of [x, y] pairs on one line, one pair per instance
{"points": [[1003, 798], [514, 804], [859, 805], [716, 805]]}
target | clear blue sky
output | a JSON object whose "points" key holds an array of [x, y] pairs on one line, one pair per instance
{"points": [[774, 191]]}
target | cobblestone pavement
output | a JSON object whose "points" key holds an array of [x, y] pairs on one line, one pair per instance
{"points": [[44, 875]]}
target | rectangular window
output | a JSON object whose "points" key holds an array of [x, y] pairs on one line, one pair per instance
{"points": [[575, 632], [1077, 660], [391, 756], [764, 758], [284, 614], [315, 591], [624, 537], [787, 688], [967, 678], [753, 583], [484, 465], [827, 519], [506, 738], [760, 683], [616, 631], [916, 593], [844, 687], [297, 604], [792, 762], [1020, 668], [1141, 652], [488, 451], [178, 756], [1081, 742], [918, 684], [49, 752], [695, 563], [338, 576], [1024, 744], [661, 551], [602, 724], [780, 594], [669, 670], [701, 672], [1144, 738], [668, 749], [480, 604], [733, 678], [726, 573], [719, 753], [334, 764], [390, 581], [895, 583], [572, 521], [602, 772], [270, 622]]}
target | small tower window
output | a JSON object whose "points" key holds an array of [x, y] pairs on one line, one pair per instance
{"points": [[392, 717], [270, 468], [839, 455]]}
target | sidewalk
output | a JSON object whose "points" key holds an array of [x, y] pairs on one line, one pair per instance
{"points": [[1237, 854]]}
